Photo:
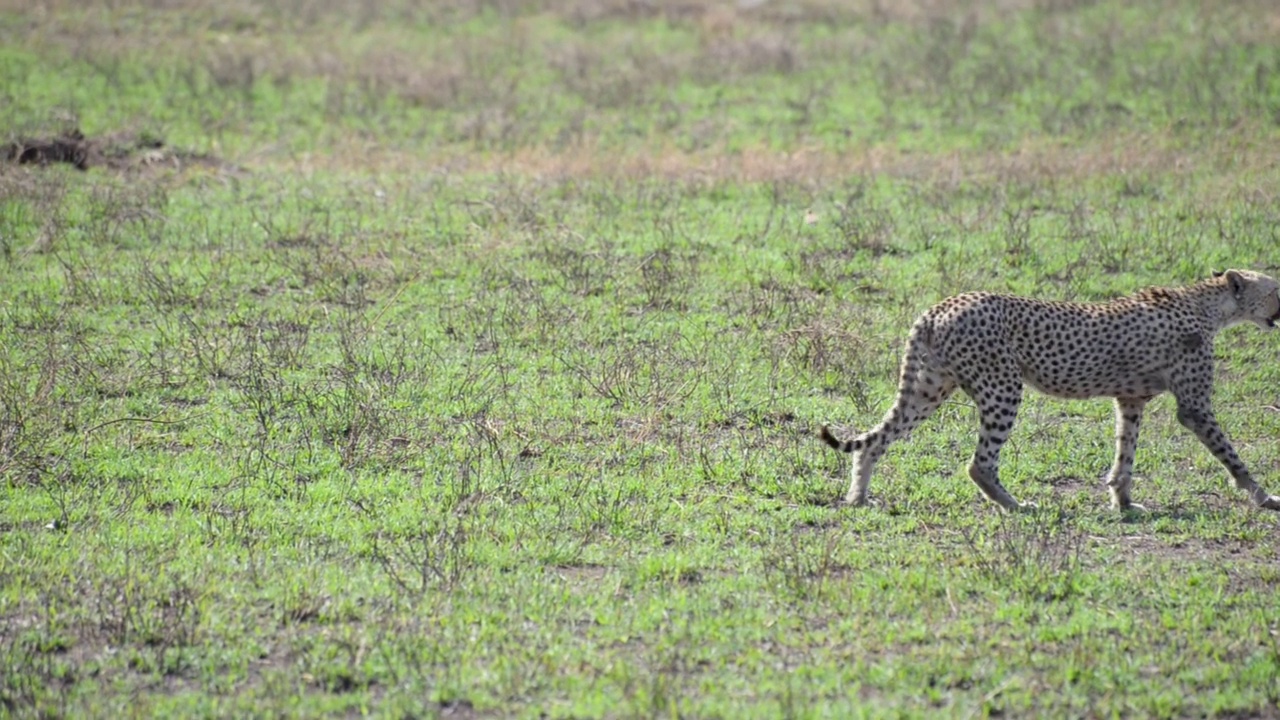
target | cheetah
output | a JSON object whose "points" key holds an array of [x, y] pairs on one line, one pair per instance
{"points": [[1130, 349]]}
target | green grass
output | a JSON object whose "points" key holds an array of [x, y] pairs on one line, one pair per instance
{"points": [[476, 371]]}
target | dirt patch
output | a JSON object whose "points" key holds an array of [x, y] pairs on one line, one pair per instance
{"points": [[70, 148], [580, 575], [121, 151], [1072, 485], [1229, 552]]}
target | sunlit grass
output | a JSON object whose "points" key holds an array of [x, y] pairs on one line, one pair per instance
{"points": [[440, 361]]}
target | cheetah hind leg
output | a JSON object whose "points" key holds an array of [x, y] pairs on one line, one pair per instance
{"points": [[997, 407], [920, 391]]}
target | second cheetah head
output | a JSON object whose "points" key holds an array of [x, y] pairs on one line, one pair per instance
{"points": [[1257, 297]]}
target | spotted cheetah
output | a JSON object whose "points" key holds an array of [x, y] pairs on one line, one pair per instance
{"points": [[1131, 349]]}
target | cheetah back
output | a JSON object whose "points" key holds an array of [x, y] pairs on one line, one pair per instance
{"points": [[1125, 348]]}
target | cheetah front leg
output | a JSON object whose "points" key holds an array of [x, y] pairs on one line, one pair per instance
{"points": [[1196, 414], [1120, 478]]}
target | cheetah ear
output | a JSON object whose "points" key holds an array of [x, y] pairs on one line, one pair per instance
{"points": [[1235, 281], [1217, 273]]}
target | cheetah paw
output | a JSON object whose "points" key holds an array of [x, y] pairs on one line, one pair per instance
{"points": [[855, 501]]}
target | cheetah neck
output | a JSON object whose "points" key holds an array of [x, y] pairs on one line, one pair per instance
{"points": [[1217, 304], [1212, 298]]}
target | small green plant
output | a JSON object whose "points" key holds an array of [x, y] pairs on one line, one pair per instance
{"points": [[1037, 556]]}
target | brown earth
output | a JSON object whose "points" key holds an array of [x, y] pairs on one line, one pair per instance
{"points": [[120, 151]]}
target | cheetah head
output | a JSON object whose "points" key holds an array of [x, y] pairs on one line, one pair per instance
{"points": [[1257, 297]]}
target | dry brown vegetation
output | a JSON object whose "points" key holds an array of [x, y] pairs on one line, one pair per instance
{"points": [[481, 81], [1243, 151]]}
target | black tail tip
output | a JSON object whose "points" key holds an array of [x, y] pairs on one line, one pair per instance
{"points": [[829, 439]]}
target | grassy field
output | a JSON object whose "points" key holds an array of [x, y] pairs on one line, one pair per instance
{"points": [[464, 359]]}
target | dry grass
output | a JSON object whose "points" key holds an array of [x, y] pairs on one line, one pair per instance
{"points": [[482, 85], [1033, 160]]}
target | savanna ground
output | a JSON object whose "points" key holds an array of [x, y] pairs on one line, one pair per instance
{"points": [[464, 359]]}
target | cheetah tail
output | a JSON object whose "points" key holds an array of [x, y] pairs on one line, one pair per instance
{"points": [[846, 446]]}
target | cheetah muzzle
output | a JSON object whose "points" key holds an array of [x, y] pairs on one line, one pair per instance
{"points": [[1131, 349]]}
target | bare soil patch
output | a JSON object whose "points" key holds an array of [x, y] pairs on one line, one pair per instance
{"points": [[124, 151], [1227, 552], [580, 575], [1073, 485]]}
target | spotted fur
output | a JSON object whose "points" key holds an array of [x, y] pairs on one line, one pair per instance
{"points": [[1131, 349]]}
